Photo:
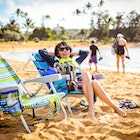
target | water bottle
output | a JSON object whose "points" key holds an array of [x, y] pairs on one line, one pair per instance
{"points": [[10, 100]]}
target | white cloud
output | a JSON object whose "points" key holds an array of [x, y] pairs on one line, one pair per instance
{"points": [[11, 6], [57, 12], [63, 9], [126, 6]]}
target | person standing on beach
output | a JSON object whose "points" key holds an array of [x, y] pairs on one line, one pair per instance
{"points": [[120, 51], [93, 55]]}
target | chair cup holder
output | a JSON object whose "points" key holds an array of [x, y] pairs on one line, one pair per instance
{"points": [[15, 110]]}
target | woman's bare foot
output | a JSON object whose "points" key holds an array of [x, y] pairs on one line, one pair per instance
{"points": [[120, 112], [91, 114]]}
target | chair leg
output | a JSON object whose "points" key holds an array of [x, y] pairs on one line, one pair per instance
{"points": [[33, 112], [29, 60], [25, 124], [68, 104], [63, 109]]}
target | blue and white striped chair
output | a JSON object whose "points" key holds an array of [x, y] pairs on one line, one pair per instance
{"points": [[10, 84], [41, 65]]}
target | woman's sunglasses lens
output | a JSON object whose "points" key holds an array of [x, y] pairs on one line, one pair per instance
{"points": [[66, 48]]}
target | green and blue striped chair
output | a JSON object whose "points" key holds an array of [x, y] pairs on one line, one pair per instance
{"points": [[10, 84]]}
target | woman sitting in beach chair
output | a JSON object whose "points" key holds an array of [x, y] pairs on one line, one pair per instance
{"points": [[90, 86]]}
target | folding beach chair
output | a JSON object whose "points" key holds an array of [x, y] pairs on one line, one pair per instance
{"points": [[14, 100], [42, 65]]}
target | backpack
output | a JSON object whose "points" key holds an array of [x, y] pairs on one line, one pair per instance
{"points": [[68, 69], [114, 48], [60, 85]]}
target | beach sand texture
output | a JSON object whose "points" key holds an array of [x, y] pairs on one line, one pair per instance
{"points": [[107, 125]]}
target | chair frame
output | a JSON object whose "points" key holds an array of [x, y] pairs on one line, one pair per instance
{"points": [[44, 79], [32, 58]]}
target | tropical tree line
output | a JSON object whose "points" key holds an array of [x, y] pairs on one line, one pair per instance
{"points": [[102, 26]]}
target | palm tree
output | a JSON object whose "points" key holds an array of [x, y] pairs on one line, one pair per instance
{"points": [[92, 20], [28, 25], [88, 5], [99, 13], [134, 19], [1, 25], [45, 17], [133, 25], [18, 13], [82, 33], [77, 12], [107, 21], [119, 20], [11, 30], [1, 32]]}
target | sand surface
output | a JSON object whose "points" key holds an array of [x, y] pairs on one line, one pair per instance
{"points": [[107, 125]]}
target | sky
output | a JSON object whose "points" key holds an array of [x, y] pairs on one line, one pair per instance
{"points": [[61, 11]]}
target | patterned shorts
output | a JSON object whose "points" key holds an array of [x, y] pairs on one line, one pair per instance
{"points": [[93, 59]]}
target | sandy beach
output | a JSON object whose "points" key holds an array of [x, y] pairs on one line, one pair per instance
{"points": [[107, 125]]}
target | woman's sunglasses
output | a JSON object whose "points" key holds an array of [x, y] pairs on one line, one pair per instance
{"points": [[65, 48]]}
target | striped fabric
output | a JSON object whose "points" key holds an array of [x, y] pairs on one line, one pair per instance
{"points": [[9, 78], [40, 64], [43, 67]]}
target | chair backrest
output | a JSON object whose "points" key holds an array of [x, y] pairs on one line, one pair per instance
{"points": [[8, 81], [42, 67], [40, 64], [8, 77]]}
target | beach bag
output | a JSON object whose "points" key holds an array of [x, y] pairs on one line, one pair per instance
{"points": [[60, 85], [114, 48]]}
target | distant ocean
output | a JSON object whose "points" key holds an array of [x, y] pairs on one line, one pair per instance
{"points": [[107, 63]]}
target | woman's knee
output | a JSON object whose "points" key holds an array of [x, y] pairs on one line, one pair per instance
{"points": [[86, 77], [84, 73]]}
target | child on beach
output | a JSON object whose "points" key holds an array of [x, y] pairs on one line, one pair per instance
{"points": [[93, 54], [90, 85]]}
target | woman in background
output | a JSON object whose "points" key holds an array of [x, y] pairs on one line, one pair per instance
{"points": [[120, 52]]}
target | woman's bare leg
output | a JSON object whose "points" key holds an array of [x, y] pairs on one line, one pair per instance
{"points": [[104, 97], [117, 62], [89, 87], [90, 66], [123, 64], [88, 92], [96, 70]]}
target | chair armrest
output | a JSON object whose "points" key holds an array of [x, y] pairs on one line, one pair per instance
{"points": [[41, 80], [67, 76], [9, 88], [45, 79]]}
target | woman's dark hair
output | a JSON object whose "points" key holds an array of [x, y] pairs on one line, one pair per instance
{"points": [[92, 41], [58, 46]]}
